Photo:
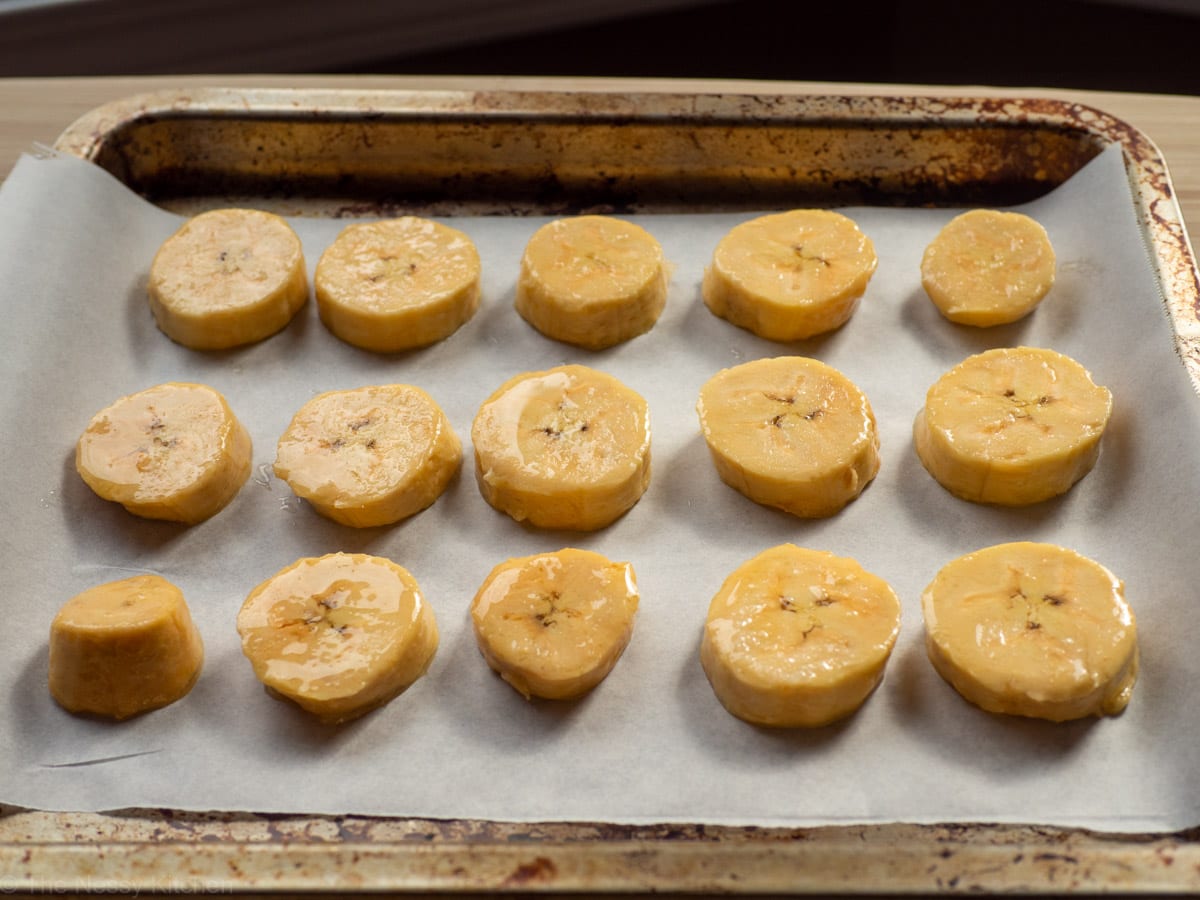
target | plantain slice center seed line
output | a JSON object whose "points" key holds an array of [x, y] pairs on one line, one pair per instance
{"points": [[556, 612], [392, 268], [238, 259], [795, 417], [805, 258], [593, 264], [564, 424], [806, 611]]}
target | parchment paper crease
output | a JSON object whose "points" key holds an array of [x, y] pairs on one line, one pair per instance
{"points": [[651, 743]]}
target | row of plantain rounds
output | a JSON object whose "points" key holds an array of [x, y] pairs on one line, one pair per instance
{"points": [[569, 447], [794, 637], [234, 276]]}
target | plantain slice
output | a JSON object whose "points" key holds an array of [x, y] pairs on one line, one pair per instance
{"points": [[565, 448], [988, 267], [397, 284], [554, 625], [790, 275], [1031, 629], [369, 456], [798, 637], [174, 451], [339, 635], [124, 648], [228, 277], [1012, 426], [592, 281], [790, 432]]}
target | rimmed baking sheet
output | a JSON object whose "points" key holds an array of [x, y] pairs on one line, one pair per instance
{"points": [[913, 741]]}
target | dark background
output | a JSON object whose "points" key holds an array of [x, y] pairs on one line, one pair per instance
{"points": [[1126, 45], [1064, 43]]}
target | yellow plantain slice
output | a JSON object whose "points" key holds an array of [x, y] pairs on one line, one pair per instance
{"points": [[369, 456], [554, 625], [791, 275], [339, 635], [1012, 426], [988, 267], [124, 648], [228, 277], [798, 637], [175, 451], [565, 448], [592, 281], [397, 284], [1032, 630], [790, 432]]}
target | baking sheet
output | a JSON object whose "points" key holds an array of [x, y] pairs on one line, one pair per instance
{"points": [[651, 744]]}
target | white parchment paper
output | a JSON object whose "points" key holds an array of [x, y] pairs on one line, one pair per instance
{"points": [[651, 743]]}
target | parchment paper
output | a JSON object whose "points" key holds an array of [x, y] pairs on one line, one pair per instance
{"points": [[651, 743]]}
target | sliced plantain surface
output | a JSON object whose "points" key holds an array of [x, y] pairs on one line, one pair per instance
{"points": [[1012, 426], [566, 448], [790, 432], [174, 451], [798, 637], [369, 456], [791, 275], [1034, 630], [123, 648], [553, 625], [988, 267], [592, 281], [339, 635], [397, 284], [228, 277]]}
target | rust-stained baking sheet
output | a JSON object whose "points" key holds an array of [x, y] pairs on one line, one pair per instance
{"points": [[366, 153]]}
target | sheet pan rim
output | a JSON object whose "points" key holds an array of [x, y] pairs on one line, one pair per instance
{"points": [[41, 851]]}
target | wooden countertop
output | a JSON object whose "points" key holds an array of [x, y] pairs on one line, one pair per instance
{"points": [[36, 110]]}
